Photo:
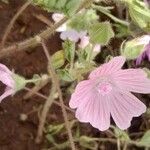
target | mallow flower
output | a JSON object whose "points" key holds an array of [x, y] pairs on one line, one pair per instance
{"points": [[145, 40], [6, 77], [107, 92], [13, 82], [66, 33]]}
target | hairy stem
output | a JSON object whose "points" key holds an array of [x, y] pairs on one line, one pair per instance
{"points": [[43, 116], [36, 88], [115, 19], [56, 82], [33, 42], [45, 97]]}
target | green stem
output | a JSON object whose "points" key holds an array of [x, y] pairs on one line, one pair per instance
{"points": [[107, 13], [72, 58], [33, 80], [90, 54]]}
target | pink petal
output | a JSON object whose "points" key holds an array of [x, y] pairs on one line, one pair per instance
{"points": [[97, 48], [133, 104], [108, 68], [91, 106], [85, 110], [84, 42], [4, 69], [7, 79], [8, 91], [82, 34], [101, 115], [57, 17], [134, 80], [96, 111], [72, 35], [82, 92], [125, 106]]}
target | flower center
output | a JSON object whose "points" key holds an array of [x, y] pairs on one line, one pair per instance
{"points": [[104, 88]]}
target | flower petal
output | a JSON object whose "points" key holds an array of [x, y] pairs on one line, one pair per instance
{"points": [[7, 79], [96, 111], [101, 114], [134, 80], [8, 91], [82, 92], [125, 106], [139, 59], [85, 40], [97, 48], [106, 69], [4, 69], [57, 17], [72, 35]]}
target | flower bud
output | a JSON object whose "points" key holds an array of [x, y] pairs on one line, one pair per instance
{"points": [[134, 48]]}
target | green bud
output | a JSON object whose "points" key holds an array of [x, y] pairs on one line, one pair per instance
{"points": [[58, 59], [20, 82], [134, 48]]}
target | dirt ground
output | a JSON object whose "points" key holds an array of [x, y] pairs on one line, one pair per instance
{"points": [[14, 134]]}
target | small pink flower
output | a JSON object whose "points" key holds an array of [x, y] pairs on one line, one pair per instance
{"points": [[107, 93], [70, 34], [7, 79], [85, 41]]}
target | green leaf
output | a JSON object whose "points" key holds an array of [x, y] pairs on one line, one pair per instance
{"points": [[120, 134], [58, 59], [88, 142], [121, 30], [55, 129], [140, 14], [145, 140], [60, 4], [69, 48], [83, 20], [50, 138], [72, 6], [48, 5], [68, 7], [101, 33], [65, 75]]}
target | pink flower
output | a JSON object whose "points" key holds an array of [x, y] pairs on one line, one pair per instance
{"points": [[107, 93], [85, 41], [7, 79], [70, 34]]}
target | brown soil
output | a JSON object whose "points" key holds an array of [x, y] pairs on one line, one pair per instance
{"points": [[14, 134]]}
